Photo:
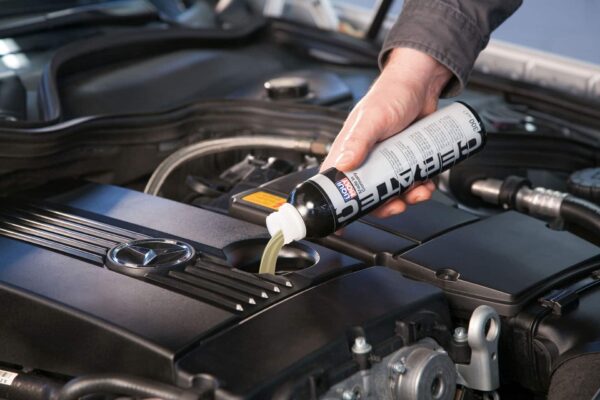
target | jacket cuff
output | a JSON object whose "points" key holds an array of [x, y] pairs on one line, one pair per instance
{"points": [[442, 32]]}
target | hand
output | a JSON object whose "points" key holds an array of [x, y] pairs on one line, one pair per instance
{"points": [[408, 88]]}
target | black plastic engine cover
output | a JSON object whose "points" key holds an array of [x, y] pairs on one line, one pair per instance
{"points": [[209, 319], [504, 260], [312, 333]]}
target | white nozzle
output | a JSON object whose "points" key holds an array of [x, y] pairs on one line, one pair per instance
{"points": [[288, 220]]}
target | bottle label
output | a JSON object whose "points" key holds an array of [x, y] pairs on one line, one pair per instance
{"points": [[7, 377], [265, 199], [346, 189], [423, 150]]}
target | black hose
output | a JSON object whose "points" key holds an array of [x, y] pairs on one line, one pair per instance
{"points": [[582, 213], [122, 385], [29, 387]]}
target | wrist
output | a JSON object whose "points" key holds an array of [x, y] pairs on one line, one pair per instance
{"points": [[411, 66]]}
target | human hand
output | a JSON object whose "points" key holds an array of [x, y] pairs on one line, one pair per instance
{"points": [[408, 88]]}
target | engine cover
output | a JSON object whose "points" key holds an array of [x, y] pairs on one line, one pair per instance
{"points": [[104, 279]]}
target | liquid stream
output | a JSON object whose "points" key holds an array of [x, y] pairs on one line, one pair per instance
{"points": [[268, 262]]}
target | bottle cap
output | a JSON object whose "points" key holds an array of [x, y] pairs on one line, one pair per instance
{"points": [[288, 220]]}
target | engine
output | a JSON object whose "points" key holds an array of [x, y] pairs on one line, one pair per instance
{"points": [[436, 303], [139, 159]]}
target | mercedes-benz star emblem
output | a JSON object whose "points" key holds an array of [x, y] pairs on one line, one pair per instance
{"points": [[145, 254]]}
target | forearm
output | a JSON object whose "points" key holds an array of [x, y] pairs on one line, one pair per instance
{"points": [[453, 32]]}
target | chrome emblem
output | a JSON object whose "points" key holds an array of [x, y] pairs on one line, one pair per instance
{"points": [[150, 253]]}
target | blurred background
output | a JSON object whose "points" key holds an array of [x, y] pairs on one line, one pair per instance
{"points": [[568, 28]]}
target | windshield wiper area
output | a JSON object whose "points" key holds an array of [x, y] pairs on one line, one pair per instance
{"points": [[121, 12]]}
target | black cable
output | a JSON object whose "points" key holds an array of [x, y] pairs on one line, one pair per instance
{"points": [[122, 385], [582, 213]]}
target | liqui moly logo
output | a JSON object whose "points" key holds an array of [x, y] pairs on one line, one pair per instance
{"points": [[346, 189]]}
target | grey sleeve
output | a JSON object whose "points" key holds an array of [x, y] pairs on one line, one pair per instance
{"points": [[452, 31]]}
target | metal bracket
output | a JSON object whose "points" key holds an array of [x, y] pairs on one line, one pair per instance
{"points": [[484, 331]]}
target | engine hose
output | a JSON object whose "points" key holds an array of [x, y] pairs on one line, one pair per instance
{"points": [[26, 386], [516, 193], [122, 385], [209, 147], [582, 213]]}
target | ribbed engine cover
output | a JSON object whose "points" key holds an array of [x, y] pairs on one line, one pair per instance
{"points": [[104, 279]]}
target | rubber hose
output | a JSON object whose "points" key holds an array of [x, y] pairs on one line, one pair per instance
{"points": [[30, 387], [582, 213], [122, 385], [209, 147]]}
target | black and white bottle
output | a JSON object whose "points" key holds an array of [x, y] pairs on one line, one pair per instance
{"points": [[332, 199]]}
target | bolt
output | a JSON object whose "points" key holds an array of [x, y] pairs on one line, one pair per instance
{"points": [[361, 346], [349, 395], [460, 334], [399, 367]]}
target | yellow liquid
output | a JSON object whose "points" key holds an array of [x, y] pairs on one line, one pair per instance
{"points": [[268, 262]]}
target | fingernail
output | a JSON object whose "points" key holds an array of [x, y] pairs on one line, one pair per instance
{"points": [[344, 159], [392, 212]]}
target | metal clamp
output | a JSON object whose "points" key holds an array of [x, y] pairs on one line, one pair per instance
{"points": [[484, 331]]}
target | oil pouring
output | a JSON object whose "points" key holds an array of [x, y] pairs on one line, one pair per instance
{"points": [[332, 199]]}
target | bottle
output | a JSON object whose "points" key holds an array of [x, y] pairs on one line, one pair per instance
{"points": [[332, 199]]}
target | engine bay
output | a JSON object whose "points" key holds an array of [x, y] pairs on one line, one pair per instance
{"points": [[138, 165], [171, 291]]}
